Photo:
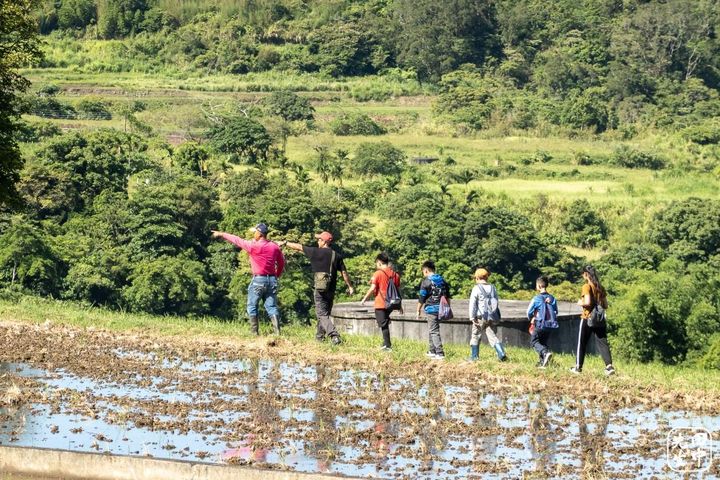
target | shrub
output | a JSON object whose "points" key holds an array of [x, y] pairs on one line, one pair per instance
{"points": [[355, 124], [93, 110], [584, 225], [192, 157], [49, 90], [50, 107], [36, 131], [465, 98], [587, 110], [711, 359], [627, 157], [169, 285], [242, 137], [289, 105], [266, 59], [688, 229], [707, 133], [377, 159], [539, 156], [584, 159]]}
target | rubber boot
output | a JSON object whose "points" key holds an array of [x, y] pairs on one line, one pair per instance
{"points": [[276, 324], [474, 353], [500, 352], [254, 327]]}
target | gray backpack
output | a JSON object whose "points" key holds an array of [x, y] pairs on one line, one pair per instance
{"points": [[491, 310]]}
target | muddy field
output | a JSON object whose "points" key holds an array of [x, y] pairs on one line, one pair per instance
{"points": [[274, 405]]}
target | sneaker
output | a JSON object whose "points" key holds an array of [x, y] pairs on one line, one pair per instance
{"points": [[609, 370], [336, 340], [546, 359], [429, 354], [385, 349], [438, 357], [575, 370]]}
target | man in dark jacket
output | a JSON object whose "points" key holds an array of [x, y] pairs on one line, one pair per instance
{"points": [[325, 263], [432, 288]]}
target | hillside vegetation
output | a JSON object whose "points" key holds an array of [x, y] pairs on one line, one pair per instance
{"points": [[529, 137]]}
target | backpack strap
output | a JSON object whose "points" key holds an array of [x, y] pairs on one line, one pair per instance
{"points": [[390, 277], [332, 262]]}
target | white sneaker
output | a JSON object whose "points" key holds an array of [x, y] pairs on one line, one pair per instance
{"points": [[609, 370], [546, 359], [438, 357], [385, 349], [575, 370], [429, 354]]}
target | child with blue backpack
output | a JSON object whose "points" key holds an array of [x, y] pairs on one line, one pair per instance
{"points": [[542, 313], [432, 290]]}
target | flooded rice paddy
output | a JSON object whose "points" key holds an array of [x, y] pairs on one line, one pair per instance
{"points": [[128, 396]]}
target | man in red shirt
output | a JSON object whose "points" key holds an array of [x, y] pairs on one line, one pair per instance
{"points": [[267, 264], [378, 287]]}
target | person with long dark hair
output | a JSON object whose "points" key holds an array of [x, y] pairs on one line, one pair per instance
{"points": [[593, 293]]}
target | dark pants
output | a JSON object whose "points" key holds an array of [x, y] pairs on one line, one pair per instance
{"points": [[600, 342], [323, 307], [382, 316], [539, 339], [434, 340]]}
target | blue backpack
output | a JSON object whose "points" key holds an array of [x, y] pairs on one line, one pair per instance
{"points": [[545, 315]]}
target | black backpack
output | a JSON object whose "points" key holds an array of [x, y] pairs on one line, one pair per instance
{"points": [[393, 301]]}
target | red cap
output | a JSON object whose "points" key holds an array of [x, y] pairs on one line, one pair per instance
{"points": [[325, 236]]}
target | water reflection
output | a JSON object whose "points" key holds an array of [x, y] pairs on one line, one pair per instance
{"points": [[321, 419], [593, 443], [542, 439]]}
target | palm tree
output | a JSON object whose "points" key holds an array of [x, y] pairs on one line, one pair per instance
{"points": [[465, 176], [391, 184], [444, 190], [301, 175], [470, 198], [336, 171], [414, 178], [322, 162]]}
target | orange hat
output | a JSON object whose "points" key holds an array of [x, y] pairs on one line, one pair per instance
{"points": [[481, 274], [325, 236]]}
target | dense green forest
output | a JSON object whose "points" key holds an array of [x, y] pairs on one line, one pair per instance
{"points": [[618, 100]]}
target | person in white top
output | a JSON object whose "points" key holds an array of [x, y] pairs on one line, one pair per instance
{"points": [[484, 312]]}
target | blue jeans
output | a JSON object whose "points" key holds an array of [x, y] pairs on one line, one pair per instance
{"points": [[265, 288]]}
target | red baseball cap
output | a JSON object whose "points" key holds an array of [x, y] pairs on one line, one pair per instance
{"points": [[324, 236]]}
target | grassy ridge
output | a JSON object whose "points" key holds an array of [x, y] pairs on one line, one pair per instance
{"points": [[630, 374]]}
